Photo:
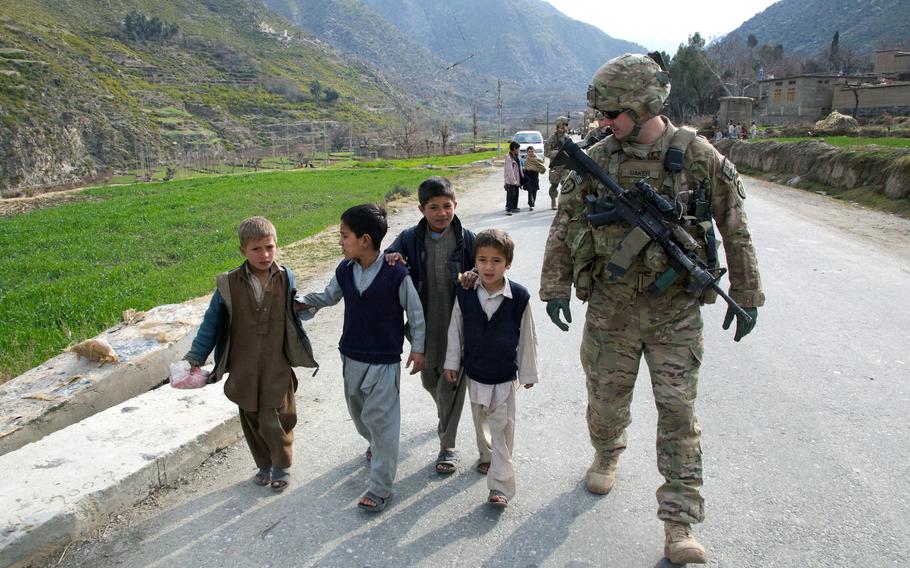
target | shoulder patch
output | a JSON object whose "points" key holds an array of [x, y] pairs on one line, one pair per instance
{"points": [[729, 169], [740, 189], [570, 182], [731, 174]]}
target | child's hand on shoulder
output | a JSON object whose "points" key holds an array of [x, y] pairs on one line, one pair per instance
{"points": [[451, 375], [394, 258], [418, 362], [468, 279]]}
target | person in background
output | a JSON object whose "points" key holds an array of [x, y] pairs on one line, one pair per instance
{"points": [[533, 167], [551, 149], [512, 178]]}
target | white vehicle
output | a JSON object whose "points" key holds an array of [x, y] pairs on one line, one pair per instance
{"points": [[529, 138]]}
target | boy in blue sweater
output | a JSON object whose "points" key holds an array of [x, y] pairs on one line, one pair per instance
{"points": [[376, 295], [492, 336], [436, 251]]}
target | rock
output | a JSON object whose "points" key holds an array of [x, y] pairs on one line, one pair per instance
{"points": [[96, 350], [794, 181]]}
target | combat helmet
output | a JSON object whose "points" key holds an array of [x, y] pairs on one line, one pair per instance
{"points": [[562, 120], [631, 82]]}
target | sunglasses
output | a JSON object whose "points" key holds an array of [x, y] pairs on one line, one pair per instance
{"points": [[612, 114]]}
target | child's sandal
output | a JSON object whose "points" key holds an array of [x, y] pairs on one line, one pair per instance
{"points": [[280, 483], [263, 478], [497, 499], [483, 467]]}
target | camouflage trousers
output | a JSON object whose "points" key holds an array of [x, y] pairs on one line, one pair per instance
{"points": [[622, 324], [554, 190]]}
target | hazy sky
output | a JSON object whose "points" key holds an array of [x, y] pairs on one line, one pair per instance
{"points": [[682, 17]]}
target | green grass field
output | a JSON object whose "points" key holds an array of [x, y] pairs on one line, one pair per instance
{"points": [[438, 161], [68, 271], [845, 141]]}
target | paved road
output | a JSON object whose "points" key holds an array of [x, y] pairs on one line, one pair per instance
{"points": [[805, 435]]}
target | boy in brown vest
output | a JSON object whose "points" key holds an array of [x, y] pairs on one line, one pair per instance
{"points": [[257, 338]]}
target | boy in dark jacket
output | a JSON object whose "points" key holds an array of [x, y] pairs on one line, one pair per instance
{"points": [[437, 251], [257, 338]]}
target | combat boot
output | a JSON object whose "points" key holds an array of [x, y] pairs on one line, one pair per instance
{"points": [[680, 547], [601, 474]]}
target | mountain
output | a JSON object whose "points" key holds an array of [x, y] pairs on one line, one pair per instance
{"points": [[82, 92], [354, 28], [806, 27], [528, 41], [462, 47]]}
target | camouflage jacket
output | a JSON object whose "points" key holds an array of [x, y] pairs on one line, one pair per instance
{"points": [[566, 257]]}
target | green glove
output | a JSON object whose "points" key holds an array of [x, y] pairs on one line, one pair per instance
{"points": [[556, 306], [742, 328]]}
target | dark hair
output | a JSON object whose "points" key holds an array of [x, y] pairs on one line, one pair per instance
{"points": [[436, 186], [367, 219], [498, 239], [513, 144]]}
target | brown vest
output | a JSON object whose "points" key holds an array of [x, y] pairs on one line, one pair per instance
{"points": [[259, 371]]}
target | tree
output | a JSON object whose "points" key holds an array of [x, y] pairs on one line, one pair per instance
{"points": [[445, 133], [331, 95], [405, 135], [695, 83], [137, 27], [315, 89]]}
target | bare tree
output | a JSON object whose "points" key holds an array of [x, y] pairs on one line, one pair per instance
{"points": [[405, 136], [445, 133]]}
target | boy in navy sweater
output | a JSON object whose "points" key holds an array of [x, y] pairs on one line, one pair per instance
{"points": [[492, 336], [376, 295]]}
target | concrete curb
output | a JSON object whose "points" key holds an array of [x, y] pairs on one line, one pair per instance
{"points": [[68, 388], [68, 482]]}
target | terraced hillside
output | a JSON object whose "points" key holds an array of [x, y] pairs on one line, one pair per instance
{"points": [[80, 94]]}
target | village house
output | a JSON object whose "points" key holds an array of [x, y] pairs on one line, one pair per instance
{"points": [[810, 97]]}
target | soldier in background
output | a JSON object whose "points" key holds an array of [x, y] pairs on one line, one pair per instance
{"points": [[623, 322], [554, 143]]}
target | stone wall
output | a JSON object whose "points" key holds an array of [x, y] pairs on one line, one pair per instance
{"points": [[884, 170]]}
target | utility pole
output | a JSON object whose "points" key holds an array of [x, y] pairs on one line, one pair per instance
{"points": [[474, 125], [287, 140], [499, 109], [325, 144]]}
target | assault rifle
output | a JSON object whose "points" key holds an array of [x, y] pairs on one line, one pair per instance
{"points": [[647, 212]]}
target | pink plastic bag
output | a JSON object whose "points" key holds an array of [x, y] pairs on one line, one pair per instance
{"points": [[181, 376]]}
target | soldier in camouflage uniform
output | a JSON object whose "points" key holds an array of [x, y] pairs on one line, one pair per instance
{"points": [[554, 143], [623, 323]]}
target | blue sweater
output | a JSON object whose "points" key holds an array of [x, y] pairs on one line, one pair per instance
{"points": [[374, 320], [491, 345]]}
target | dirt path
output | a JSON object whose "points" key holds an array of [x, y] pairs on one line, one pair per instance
{"points": [[890, 232]]}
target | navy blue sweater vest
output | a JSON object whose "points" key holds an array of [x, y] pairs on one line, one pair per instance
{"points": [[373, 321], [491, 346]]}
